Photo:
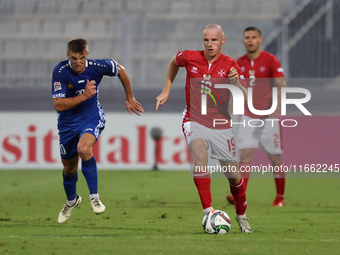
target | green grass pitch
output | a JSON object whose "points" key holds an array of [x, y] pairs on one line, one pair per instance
{"points": [[158, 212]]}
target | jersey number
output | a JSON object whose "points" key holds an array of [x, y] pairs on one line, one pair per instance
{"points": [[79, 92], [208, 83], [231, 144], [252, 81]]}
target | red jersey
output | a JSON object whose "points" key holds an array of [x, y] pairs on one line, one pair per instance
{"points": [[200, 83], [259, 73]]}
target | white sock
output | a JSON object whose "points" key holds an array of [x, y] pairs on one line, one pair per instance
{"points": [[206, 210], [94, 196], [241, 216], [71, 202]]}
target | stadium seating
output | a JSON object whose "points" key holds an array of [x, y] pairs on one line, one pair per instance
{"points": [[37, 31]]}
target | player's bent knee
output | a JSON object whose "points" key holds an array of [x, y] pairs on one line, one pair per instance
{"points": [[246, 155], [70, 165], [275, 159], [84, 151], [201, 154], [70, 170]]}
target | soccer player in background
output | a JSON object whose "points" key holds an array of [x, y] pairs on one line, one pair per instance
{"points": [[263, 71], [81, 118], [198, 129]]}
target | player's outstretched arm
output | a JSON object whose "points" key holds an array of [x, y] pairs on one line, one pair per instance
{"points": [[280, 82], [170, 77], [131, 104], [63, 104]]}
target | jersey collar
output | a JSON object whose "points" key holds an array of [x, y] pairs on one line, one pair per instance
{"points": [[86, 64], [255, 58], [202, 54]]}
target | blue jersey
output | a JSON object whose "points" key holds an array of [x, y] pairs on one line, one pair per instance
{"points": [[66, 83]]}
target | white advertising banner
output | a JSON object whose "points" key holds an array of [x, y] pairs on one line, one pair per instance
{"points": [[29, 140]]}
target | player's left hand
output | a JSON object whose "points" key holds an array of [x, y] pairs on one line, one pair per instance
{"points": [[161, 99], [275, 114], [233, 76], [132, 105]]}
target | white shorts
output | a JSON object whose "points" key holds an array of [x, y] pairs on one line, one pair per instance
{"points": [[221, 141], [269, 135]]}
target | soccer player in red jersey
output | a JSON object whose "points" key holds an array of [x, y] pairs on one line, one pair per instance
{"points": [[263, 71], [199, 131]]}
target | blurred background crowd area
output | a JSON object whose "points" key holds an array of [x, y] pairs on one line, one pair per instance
{"points": [[143, 35]]}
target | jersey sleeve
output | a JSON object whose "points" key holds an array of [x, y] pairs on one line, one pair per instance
{"points": [[181, 58], [59, 81], [107, 67], [276, 68], [240, 74]]}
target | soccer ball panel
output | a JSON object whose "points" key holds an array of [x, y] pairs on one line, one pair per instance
{"points": [[216, 222]]}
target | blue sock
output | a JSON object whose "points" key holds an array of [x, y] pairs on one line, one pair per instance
{"points": [[70, 185], [89, 168]]}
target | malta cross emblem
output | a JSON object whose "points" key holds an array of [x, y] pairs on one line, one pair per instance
{"points": [[221, 73]]}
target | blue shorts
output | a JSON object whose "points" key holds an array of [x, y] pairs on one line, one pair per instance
{"points": [[68, 140]]}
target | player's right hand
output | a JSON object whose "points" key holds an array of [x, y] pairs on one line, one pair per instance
{"points": [[132, 105], [90, 89], [161, 99], [233, 76]]}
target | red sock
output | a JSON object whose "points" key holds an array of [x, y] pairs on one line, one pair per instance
{"points": [[202, 181], [280, 181], [245, 172], [239, 195]]}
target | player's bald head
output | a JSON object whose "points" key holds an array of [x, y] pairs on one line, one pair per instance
{"points": [[216, 27]]}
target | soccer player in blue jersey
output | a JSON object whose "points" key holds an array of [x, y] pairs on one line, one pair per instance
{"points": [[81, 118]]}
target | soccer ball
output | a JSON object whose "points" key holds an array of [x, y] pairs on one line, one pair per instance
{"points": [[216, 222]]}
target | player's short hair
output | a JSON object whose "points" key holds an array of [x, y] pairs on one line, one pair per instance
{"points": [[253, 29], [77, 45]]}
